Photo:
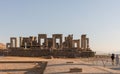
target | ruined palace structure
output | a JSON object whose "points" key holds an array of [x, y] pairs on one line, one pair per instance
{"points": [[56, 42], [56, 46]]}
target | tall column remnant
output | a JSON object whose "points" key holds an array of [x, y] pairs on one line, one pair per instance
{"points": [[42, 36], [77, 43], [83, 41], [13, 42], [8, 45], [57, 36], [21, 41], [87, 43]]}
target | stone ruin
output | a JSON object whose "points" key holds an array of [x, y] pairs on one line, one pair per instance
{"points": [[36, 42], [43, 43]]}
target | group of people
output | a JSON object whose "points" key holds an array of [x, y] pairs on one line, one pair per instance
{"points": [[115, 58]]}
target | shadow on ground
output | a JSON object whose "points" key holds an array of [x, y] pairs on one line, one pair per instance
{"points": [[37, 69], [115, 68]]}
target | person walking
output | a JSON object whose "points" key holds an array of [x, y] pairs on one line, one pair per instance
{"points": [[117, 60], [113, 58]]}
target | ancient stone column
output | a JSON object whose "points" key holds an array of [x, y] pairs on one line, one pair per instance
{"points": [[47, 42], [8, 45], [87, 39], [13, 42], [54, 42], [31, 39], [21, 41], [73, 43], [61, 42], [78, 44], [83, 41], [82, 46], [38, 39], [42, 36]]}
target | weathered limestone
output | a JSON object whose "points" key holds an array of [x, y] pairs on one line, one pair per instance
{"points": [[21, 41], [34, 42], [70, 62], [42, 36], [75, 69], [28, 42], [55, 42], [8, 45], [68, 42], [87, 43], [50, 42], [57, 36], [53, 46], [13, 42], [83, 41], [77, 42]]}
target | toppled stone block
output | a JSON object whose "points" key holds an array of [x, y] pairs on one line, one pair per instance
{"points": [[70, 62], [75, 69]]}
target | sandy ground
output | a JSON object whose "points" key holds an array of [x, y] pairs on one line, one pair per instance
{"points": [[20, 68], [58, 66], [104, 62]]}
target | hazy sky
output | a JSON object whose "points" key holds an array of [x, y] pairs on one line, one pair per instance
{"points": [[99, 19]]}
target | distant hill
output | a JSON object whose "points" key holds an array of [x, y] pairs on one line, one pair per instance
{"points": [[2, 46]]}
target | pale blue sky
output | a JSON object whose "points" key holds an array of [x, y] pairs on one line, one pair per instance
{"points": [[99, 19]]}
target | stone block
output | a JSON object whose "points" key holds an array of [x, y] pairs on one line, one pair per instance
{"points": [[75, 69], [69, 62]]}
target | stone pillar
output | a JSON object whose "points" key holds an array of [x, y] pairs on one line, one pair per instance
{"points": [[83, 41], [60, 42], [8, 45], [39, 39], [73, 44], [21, 41], [57, 36], [87, 39], [78, 44], [70, 40], [42, 36], [31, 39], [13, 42], [45, 39], [47, 42], [54, 42]]}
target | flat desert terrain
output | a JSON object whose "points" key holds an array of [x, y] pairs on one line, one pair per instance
{"points": [[33, 65]]}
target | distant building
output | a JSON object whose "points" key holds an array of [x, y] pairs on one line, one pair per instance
{"points": [[56, 42], [42, 45]]}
